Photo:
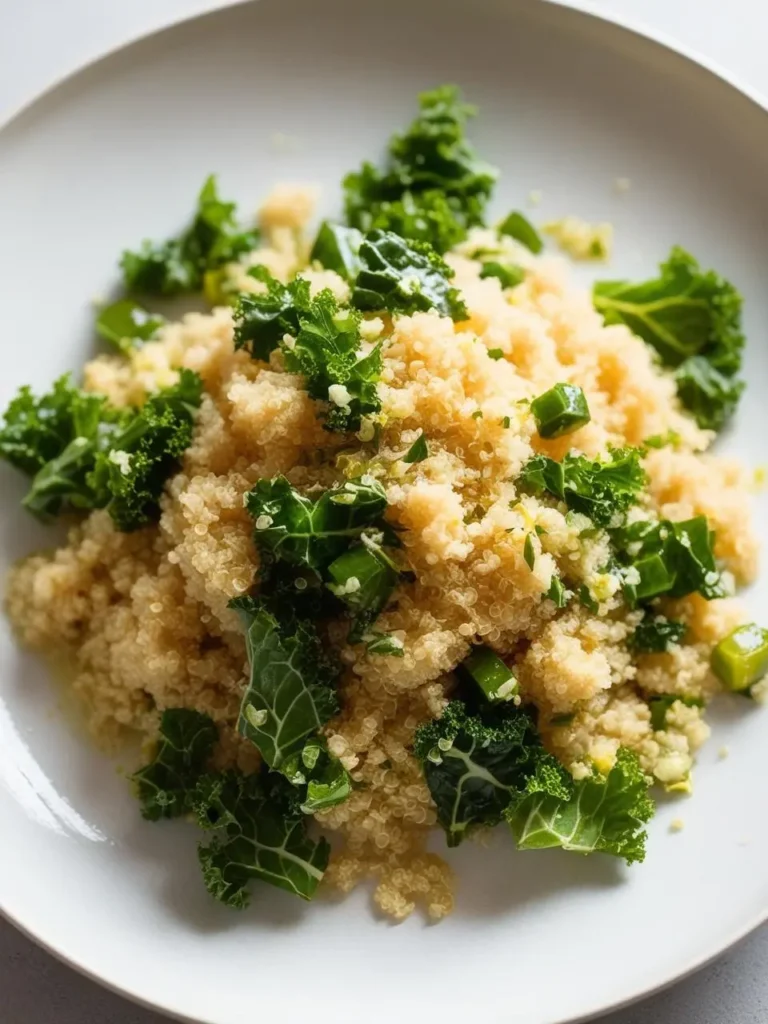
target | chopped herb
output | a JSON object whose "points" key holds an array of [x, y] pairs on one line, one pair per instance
{"points": [[434, 187], [516, 226], [418, 451], [561, 410], [261, 320], [561, 720], [496, 353], [506, 422], [384, 644], [603, 490], [404, 277], [529, 551], [477, 414], [509, 275], [495, 680], [693, 320], [657, 634], [179, 264], [671, 439], [125, 324], [557, 593]]}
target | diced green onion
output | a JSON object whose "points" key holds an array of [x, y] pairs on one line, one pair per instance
{"points": [[508, 274], [655, 577], [418, 451], [741, 659], [363, 578], [520, 228], [561, 410], [660, 706], [496, 680], [529, 551]]}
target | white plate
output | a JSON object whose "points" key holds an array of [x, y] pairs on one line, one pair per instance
{"points": [[117, 153]]}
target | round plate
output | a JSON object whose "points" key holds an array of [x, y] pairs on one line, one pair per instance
{"points": [[568, 103]]}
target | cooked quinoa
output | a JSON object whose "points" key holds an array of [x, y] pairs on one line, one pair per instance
{"points": [[143, 617]]}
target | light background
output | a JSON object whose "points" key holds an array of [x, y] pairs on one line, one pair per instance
{"points": [[41, 40]]}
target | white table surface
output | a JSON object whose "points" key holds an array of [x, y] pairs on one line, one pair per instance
{"points": [[41, 40]]}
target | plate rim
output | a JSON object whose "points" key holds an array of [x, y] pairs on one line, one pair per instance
{"points": [[641, 33]]}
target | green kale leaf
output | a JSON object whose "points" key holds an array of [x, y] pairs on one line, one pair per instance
{"points": [[166, 785], [179, 264], [125, 324], [131, 473], [475, 765], [656, 633], [336, 248], [404, 277], [517, 226], [262, 319], [605, 814], [602, 489], [258, 833], [83, 453], [312, 533], [321, 778], [686, 314], [434, 187], [291, 692]]}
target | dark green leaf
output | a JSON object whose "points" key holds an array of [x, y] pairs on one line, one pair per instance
{"points": [[605, 814], [383, 644], [418, 450], [179, 264], [516, 226], [321, 779], [474, 767], [529, 552], [290, 694], [434, 187], [336, 248], [166, 785], [404, 277], [261, 320], [602, 489], [508, 274], [312, 533], [256, 836], [685, 314], [655, 634], [125, 324]]}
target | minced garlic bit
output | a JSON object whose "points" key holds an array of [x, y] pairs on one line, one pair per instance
{"points": [[580, 239], [121, 459], [339, 395]]}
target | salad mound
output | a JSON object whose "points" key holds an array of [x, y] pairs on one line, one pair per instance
{"points": [[410, 531]]}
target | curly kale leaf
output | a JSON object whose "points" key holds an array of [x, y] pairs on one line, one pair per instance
{"points": [[83, 453], [179, 264], [131, 472], [603, 490], [475, 765], [605, 814], [165, 786], [258, 833], [261, 320], [693, 320], [310, 532], [434, 186], [404, 277], [290, 694], [656, 633], [336, 248]]}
